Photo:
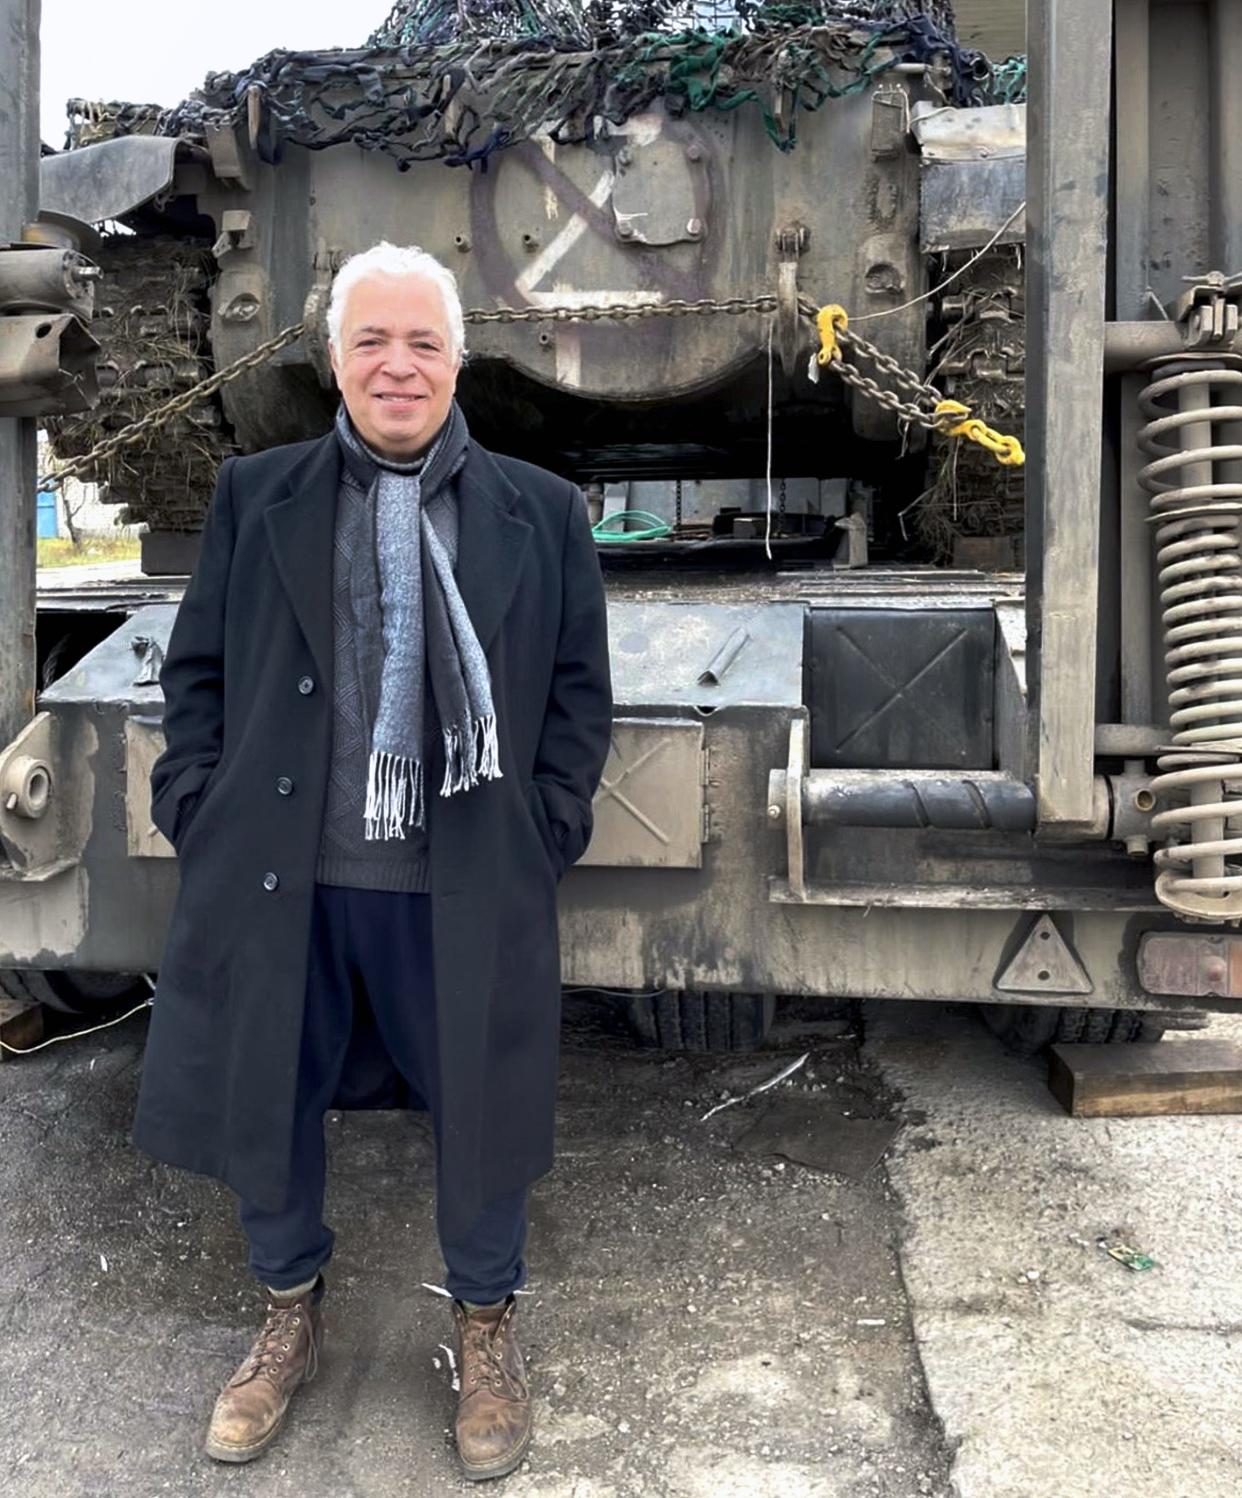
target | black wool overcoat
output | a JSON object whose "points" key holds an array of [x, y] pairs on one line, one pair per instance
{"points": [[240, 792]]}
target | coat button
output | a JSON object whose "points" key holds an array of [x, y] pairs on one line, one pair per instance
{"points": [[270, 882], [285, 786], [306, 686]]}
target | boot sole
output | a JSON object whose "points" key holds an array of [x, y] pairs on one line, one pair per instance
{"points": [[219, 1452], [496, 1469]]}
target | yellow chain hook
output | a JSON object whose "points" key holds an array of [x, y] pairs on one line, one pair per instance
{"points": [[1006, 450], [828, 319]]}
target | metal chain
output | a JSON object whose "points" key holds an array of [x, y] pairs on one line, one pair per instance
{"points": [[889, 399], [588, 312], [902, 377], [599, 312]]}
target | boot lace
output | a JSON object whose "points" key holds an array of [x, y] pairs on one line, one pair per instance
{"points": [[274, 1343], [483, 1349]]}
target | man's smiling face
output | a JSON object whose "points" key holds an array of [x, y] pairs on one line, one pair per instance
{"points": [[396, 365]]}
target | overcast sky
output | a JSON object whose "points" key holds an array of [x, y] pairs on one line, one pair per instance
{"points": [[157, 51]]}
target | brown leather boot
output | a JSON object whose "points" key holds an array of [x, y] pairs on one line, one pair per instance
{"points": [[251, 1407], [493, 1408]]}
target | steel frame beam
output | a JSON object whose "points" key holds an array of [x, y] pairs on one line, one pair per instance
{"points": [[1070, 44], [19, 203]]}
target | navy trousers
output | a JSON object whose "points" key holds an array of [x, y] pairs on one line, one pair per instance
{"points": [[370, 962]]}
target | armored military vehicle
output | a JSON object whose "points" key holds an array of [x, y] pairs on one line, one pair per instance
{"points": [[890, 720]]}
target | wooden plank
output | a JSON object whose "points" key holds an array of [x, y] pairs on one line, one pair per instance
{"points": [[21, 1025], [1146, 1080]]}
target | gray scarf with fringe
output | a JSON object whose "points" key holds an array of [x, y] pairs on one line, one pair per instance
{"points": [[426, 632]]}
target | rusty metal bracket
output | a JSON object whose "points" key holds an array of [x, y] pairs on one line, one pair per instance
{"points": [[47, 366], [47, 355], [1208, 313], [785, 802]]}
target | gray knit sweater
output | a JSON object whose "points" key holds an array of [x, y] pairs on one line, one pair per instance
{"points": [[345, 855]]}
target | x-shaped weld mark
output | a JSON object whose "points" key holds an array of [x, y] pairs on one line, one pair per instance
{"points": [[898, 688], [609, 788]]}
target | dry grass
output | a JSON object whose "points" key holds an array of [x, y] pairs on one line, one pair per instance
{"points": [[55, 552]]}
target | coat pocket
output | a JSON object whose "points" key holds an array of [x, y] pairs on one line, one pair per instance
{"points": [[551, 843], [189, 807]]}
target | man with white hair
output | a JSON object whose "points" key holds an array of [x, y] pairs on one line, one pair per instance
{"points": [[387, 708]]}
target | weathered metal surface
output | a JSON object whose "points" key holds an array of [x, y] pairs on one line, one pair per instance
{"points": [[1196, 964], [660, 651], [553, 224], [47, 366], [1131, 589], [1225, 135], [997, 27], [964, 897], [994, 132], [144, 743], [1044, 963], [43, 278], [1067, 193], [1130, 345], [32, 800], [898, 688], [19, 201], [649, 809], [44, 923], [107, 675], [1129, 739], [107, 180], [965, 203], [982, 802], [1011, 735], [974, 175]]}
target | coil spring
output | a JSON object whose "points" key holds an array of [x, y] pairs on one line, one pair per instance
{"points": [[1199, 556]]}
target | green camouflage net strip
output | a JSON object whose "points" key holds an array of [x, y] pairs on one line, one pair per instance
{"points": [[460, 102]]}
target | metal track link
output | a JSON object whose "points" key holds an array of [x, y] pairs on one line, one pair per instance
{"points": [[152, 323], [980, 359]]}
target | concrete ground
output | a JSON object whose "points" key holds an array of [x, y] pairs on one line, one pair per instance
{"points": [[1057, 1371], [704, 1322]]}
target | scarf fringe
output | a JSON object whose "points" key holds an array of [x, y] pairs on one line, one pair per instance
{"points": [[394, 795], [471, 754]]}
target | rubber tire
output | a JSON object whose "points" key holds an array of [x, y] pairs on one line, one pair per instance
{"points": [[694, 1020], [76, 993], [1026, 1029]]}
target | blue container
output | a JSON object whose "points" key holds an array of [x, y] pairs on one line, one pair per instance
{"points": [[48, 526]]}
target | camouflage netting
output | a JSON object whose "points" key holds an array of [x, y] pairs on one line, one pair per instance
{"points": [[458, 81], [436, 23]]}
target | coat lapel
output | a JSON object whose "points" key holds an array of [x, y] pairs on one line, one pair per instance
{"points": [[300, 530], [491, 542]]}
